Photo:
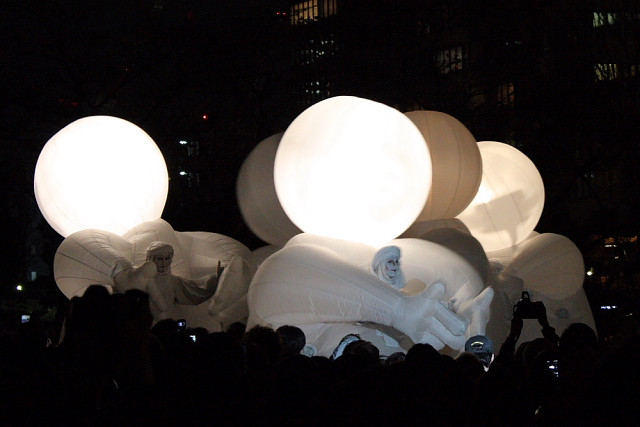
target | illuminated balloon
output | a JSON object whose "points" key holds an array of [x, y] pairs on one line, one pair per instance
{"points": [[353, 169], [100, 172], [509, 202], [256, 192], [457, 166]]}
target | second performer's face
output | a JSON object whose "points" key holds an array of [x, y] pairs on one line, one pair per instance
{"points": [[163, 262], [392, 267]]}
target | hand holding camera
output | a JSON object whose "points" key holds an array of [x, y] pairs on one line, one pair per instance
{"points": [[527, 309]]}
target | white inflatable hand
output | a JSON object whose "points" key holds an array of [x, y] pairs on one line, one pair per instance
{"points": [[426, 319], [476, 311]]}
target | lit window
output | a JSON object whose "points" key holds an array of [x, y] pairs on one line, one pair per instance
{"points": [[450, 60], [606, 71], [315, 51], [304, 11], [600, 19], [312, 10], [314, 91]]}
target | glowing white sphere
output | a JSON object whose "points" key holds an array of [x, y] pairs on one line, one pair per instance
{"points": [[257, 199], [100, 172], [457, 166], [509, 202], [352, 169]]}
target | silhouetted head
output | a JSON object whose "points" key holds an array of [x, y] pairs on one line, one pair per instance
{"points": [[292, 339]]}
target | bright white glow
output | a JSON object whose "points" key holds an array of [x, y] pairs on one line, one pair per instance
{"points": [[182, 173], [183, 142], [510, 199], [100, 172], [352, 169], [19, 287], [589, 273]]}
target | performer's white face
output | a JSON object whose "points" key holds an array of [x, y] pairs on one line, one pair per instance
{"points": [[163, 262], [392, 267]]}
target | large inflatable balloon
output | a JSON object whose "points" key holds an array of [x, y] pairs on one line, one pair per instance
{"points": [[509, 202], [100, 172], [93, 256], [456, 162], [550, 264], [354, 169], [256, 192]]}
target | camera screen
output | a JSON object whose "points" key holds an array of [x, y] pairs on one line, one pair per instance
{"points": [[553, 366], [26, 318]]}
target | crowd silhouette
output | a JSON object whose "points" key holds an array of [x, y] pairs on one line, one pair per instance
{"points": [[112, 366]]}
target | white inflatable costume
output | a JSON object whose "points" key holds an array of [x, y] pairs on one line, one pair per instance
{"points": [[325, 287], [194, 290]]}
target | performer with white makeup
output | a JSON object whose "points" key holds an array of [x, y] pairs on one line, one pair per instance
{"points": [[386, 266], [164, 288]]}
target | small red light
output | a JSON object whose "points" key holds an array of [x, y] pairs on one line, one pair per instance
{"points": [[205, 117]]}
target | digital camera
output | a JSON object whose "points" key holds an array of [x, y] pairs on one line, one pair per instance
{"points": [[527, 309]]}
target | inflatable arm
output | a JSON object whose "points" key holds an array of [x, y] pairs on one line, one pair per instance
{"points": [[309, 284]]}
